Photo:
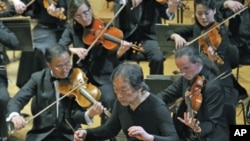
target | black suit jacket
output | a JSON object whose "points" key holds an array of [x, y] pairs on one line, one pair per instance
{"points": [[41, 90]]}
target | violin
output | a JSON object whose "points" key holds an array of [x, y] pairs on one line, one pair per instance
{"points": [[3, 6], [59, 11], [195, 93], [86, 94], [109, 39], [212, 39]]}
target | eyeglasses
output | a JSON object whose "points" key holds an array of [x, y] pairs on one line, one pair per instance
{"points": [[84, 13], [67, 65]]}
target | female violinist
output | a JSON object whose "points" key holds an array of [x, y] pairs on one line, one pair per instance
{"points": [[59, 121], [214, 44], [97, 62], [201, 118], [46, 32]]}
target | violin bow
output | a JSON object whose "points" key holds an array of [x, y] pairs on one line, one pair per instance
{"points": [[46, 108], [28, 4], [10, 126], [230, 17], [105, 28]]}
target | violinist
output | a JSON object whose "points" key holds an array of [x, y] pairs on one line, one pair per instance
{"points": [[45, 33], [59, 121], [214, 44], [137, 21], [134, 108], [97, 62], [9, 40], [238, 34], [207, 121]]}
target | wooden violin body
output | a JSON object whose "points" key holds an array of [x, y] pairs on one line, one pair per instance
{"points": [[58, 11], [195, 93], [212, 39], [78, 77], [109, 39]]}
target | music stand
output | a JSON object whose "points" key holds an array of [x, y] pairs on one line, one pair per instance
{"points": [[21, 26], [161, 29]]}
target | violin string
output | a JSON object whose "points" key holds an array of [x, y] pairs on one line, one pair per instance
{"points": [[107, 25], [53, 103], [103, 30], [232, 16], [222, 75]]}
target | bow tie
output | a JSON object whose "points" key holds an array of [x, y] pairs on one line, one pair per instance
{"points": [[59, 79]]}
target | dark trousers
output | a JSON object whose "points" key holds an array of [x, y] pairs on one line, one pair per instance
{"points": [[4, 98], [30, 62]]}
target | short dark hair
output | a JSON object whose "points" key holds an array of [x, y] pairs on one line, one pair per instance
{"points": [[54, 51], [132, 73]]}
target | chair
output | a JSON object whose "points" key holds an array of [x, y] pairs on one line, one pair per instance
{"points": [[242, 61], [242, 104], [158, 83]]}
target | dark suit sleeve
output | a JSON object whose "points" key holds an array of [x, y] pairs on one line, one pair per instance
{"points": [[185, 32], [8, 38]]}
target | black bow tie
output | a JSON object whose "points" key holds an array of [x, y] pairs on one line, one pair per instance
{"points": [[59, 79]]}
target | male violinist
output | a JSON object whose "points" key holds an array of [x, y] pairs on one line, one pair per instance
{"points": [[206, 122], [59, 120]]}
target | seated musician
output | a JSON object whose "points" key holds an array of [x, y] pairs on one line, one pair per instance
{"points": [[214, 44], [96, 59], [7, 39], [51, 121], [200, 107]]}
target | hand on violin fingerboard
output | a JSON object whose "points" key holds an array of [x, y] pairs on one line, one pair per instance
{"points": [[193, 123], [95, 109], [56, 12], [124, 47]]}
